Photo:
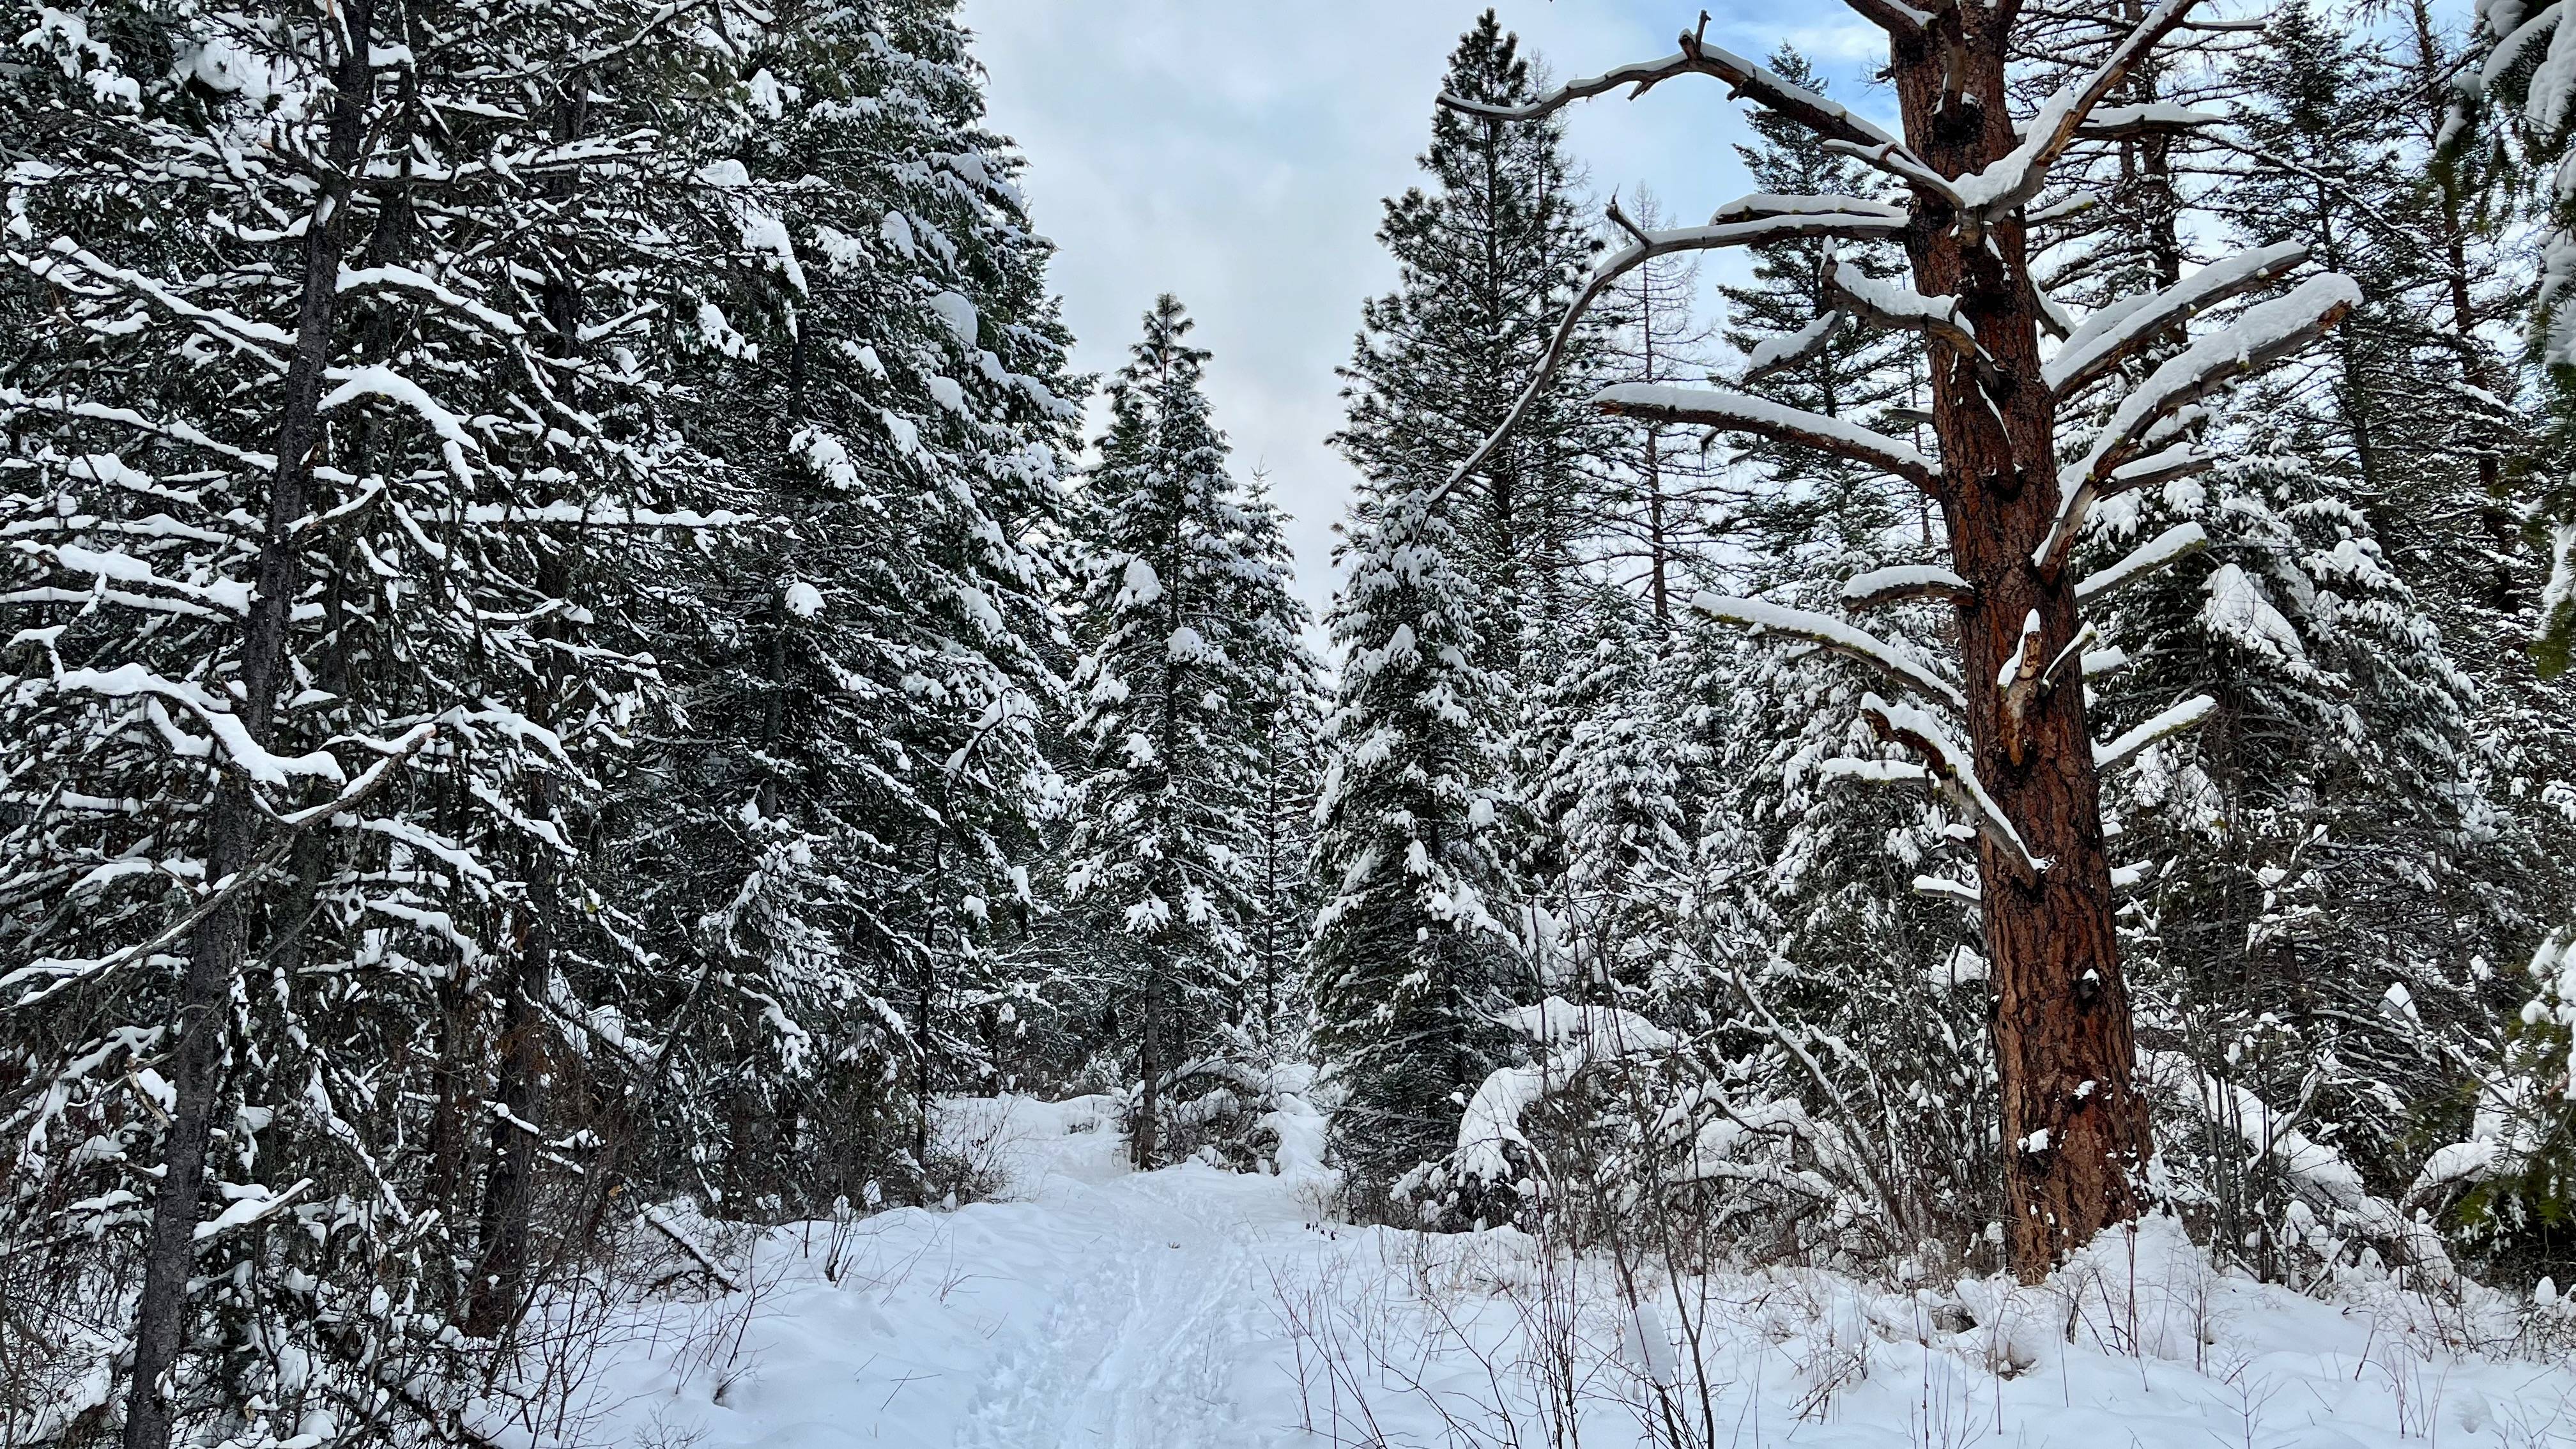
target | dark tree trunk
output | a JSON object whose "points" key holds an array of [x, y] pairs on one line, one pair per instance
{"points": [[2075, 1129], [216, 947], [1149, 1101], [501, 1288]]}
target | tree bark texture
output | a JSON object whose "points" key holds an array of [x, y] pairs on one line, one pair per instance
{"points": [[2075, 1128]]}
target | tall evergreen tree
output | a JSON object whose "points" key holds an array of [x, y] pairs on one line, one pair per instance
{"points": [[838, 822], [1411, 949], [1487, 254], [1189, 650]]}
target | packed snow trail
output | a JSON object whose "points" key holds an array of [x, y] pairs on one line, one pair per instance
{"points": [[1105, 1309]]}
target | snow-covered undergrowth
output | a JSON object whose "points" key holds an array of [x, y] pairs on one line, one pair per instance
{"points": [[1195, 1306]]}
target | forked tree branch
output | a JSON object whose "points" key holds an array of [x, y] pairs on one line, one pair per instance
{"points": [[2102, 342], [2012, 181], [2263, 335], [1828, 119]]}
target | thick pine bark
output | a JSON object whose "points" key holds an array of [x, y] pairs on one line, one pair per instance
{"points": [[216, 947], [2075, 1129]]}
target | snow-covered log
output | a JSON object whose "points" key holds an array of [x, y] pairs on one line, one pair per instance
{"points": [[1880, 587], [2125, 325], [1833, 634], [1576, 1037], [2155, 555], [2170, 722], [1951, 767], [1739, 412]]}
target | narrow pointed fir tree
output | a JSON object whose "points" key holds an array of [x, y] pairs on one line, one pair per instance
{"points": [[1187, 628], [2004, 739], [1488, 254], [1411, 953]]}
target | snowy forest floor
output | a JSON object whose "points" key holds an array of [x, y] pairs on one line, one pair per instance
{"points": [[1098, 1308]]}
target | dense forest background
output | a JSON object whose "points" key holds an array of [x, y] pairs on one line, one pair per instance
{"points": [[570, 655]]}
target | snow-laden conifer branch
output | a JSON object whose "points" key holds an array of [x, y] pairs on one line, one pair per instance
{"points": [[61, 975], [1833, 634], [2263, 335], [1952, 771], [2156, 554], [421, 284], [1746, 221], [1881, 587], [1738, 412], [1899, 308], [1873, 772], [2170, 722], [245, 335], [2012, 181], [1829, 119], [1944, 888], [2122, 327]]}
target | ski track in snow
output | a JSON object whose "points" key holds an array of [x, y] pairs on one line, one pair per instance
{"points": [[1131, 1354], [1106, 1309]]}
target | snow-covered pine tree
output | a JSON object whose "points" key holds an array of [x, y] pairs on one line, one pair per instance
{"points": [[1411, 950], [1488, 254], [1186, 628], [332, 486], [838, 818], [2027, 774], [1273, 625], [1612, 794]]}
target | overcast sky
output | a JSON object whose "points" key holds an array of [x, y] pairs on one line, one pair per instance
{"points": [[1235, 153]]}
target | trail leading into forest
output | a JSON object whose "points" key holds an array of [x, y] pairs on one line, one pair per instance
{"points": [[1192, 1308]]}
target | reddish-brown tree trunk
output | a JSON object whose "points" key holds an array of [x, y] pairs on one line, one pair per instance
{"points": [[2075, 1130]]}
